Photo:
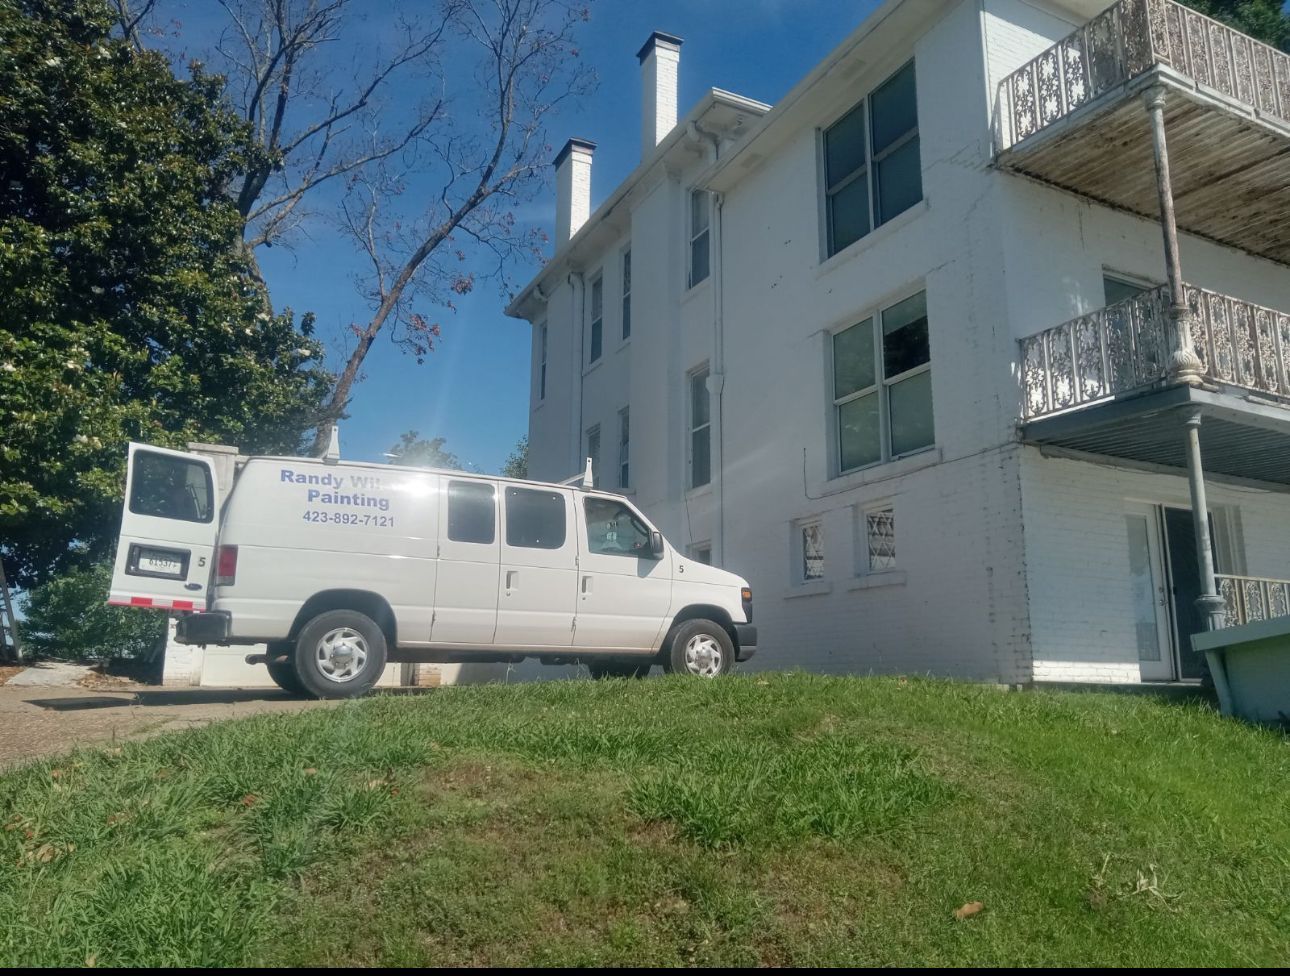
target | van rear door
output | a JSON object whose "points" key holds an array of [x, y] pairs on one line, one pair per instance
{"points": [[168, 526]]}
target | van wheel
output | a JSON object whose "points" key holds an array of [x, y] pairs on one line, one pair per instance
{"points": [[284, 673], [340, 654], [701, 648], [617, 669]]}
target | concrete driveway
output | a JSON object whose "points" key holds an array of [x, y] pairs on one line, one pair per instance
{"points": [[38, 721]]}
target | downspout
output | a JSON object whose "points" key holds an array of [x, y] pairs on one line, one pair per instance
{"points": [[578, 302], [717, 367]]}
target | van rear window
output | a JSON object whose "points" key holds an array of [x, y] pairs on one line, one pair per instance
{"points": [[534, 519], [171, 488], [472, 512]]}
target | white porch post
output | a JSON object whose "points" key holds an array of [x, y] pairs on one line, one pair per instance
{"points": [[1209, 602], [1184, 364]]}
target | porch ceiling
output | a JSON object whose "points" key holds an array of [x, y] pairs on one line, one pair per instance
{"points": [[1238, 438], [1230, 171]]}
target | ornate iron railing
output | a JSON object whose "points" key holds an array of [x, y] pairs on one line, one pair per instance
{"points": [[1250, 598], [1125, 347], [1126, 40]]}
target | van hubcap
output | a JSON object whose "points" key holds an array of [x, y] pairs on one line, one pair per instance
{"points": [[703, 656], [341, 654]]}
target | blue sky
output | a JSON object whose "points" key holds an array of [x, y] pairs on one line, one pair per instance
{"points": [[473, 389]]}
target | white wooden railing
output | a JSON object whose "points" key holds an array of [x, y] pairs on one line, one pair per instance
{"points": [[1128, 39], [1125, 347], [1250, 598]]}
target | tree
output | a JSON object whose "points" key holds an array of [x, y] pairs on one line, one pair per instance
{"points": [[412, 451], [68, 618], [130, 310], [517, 465], [1267, 20], [473, 148]]}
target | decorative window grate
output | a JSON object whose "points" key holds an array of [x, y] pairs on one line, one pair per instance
{"points": [[880, 536], [812, 551]]}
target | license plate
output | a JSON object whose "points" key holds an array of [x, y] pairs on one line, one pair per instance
{"points": [[161, 563]]}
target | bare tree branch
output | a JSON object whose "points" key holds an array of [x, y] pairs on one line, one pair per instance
{"points": [[131, 20]]}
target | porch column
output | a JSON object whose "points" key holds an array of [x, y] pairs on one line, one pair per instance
{"points": [[1184, 364], [1209, 602]]}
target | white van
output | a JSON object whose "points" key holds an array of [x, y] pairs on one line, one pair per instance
{"points": [[340, 567]]}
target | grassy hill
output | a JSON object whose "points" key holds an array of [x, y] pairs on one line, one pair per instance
{"points": [[782, 819]]}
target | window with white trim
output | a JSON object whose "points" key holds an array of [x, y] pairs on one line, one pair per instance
{"points": [[701, 552], [810, 549], [880, 539], [593, 452], [597, 318], [542, 338], [624, 447], [700, 236], [627, 294], [700, 430], [872, 167], [1118, 287], [882, 386]]}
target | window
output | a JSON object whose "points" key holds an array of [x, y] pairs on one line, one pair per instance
{"points": [[613, 529], [627, 294], [534, 519], [882, 385], [812, 549], [593, 452], [699, 236], [171, 488], [597, 318], [880, 539], [1117, 288], [472, 512], [542, 361], [701, 553], [700, 430], [624, 447], [872, 168]]}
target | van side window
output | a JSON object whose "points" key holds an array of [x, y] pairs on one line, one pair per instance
{"points": [[171, 488], [534, 519], [614, 530], [472, 512]]}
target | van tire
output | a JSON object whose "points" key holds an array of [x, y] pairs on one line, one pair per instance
{"points": [[327, 649], [699, 648], [617, 669], [284, 673]]}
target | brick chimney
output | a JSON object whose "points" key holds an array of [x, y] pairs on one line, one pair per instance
{"points": [[572, 188], [660, 60]]}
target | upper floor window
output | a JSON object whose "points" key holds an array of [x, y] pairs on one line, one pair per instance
{"points": [[699, 236], [624, 447], [872, 169], [542, 361], [627, 294], [597, 318], [1118, 288], [882, 385], [700, 430]]}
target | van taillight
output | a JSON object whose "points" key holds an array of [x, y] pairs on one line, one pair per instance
{"points": [[226, 566]]}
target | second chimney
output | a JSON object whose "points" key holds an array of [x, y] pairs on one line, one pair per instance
{"points": [[572, 188], [660, 60]]}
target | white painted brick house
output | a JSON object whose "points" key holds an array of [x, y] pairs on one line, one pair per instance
{"points": [[901, 349]]}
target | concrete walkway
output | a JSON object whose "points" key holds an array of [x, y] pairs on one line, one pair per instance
{"points": [[50, 674]]}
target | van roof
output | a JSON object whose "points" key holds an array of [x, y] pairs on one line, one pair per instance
{"points": [[452, 472]]}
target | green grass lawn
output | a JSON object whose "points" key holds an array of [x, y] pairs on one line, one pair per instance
{"points": [[781, 819]]}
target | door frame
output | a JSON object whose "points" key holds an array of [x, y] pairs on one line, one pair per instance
{"points": [[1166, 668]]}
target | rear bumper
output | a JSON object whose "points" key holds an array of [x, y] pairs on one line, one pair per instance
{"points": [[746, 638], [204, 628]]}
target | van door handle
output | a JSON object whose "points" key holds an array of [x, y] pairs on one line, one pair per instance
{"points": [[586, 585], [510, 579]]}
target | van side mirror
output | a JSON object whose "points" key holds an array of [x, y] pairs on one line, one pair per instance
{"points": [[656, 548]]}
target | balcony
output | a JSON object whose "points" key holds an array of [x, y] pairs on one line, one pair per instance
{"points": [[1074, 117], [1247, 599], [1101, 384]]}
